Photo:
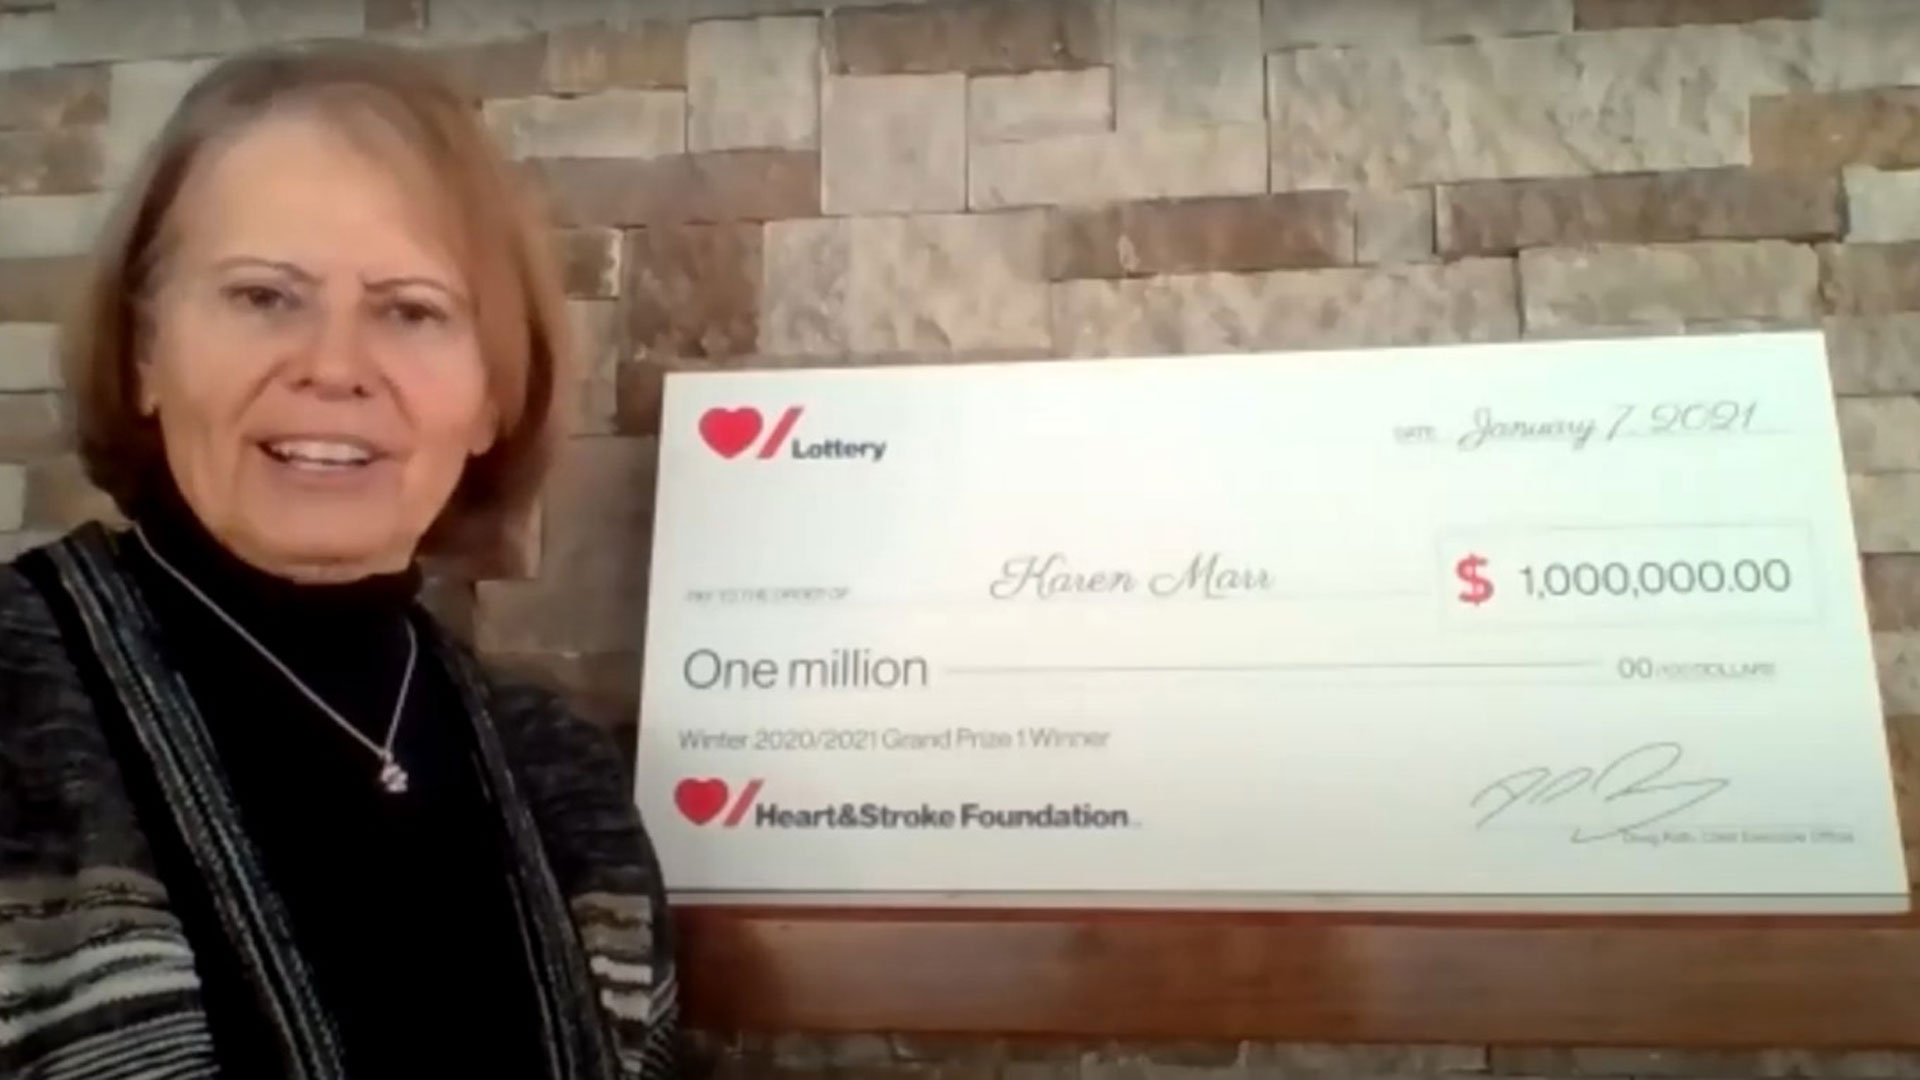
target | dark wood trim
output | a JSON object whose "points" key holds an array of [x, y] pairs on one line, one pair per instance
{"points": [[1694, 981]]}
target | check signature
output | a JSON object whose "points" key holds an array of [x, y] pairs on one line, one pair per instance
{"points": [[1633, 783]]}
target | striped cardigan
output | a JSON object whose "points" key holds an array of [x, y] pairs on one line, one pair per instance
{"points": [[97, 979]]}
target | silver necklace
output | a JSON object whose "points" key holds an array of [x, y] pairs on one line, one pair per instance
{"points": [[392, 776]]}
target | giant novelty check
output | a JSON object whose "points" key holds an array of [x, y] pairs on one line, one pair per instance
{"points": [[1516, 626]]}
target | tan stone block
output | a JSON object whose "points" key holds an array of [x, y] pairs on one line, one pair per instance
{"points": [[1871, 279], [1866, 11], [804, 287], [1615, 14], [1413, 304], [32, 226], [744, 9], [1191, 64], [1880, 434], [29, 357], [1118, 166], [1145, 316], [1903, 757], [602, 688], [396, 16], [588, 59], [65, 162], [55, 97], [1672, 1062], [1897, 658], [1293, 23], [59, 496], [141, 96], [754, 82], [1039, 105], [984, 37], [1179, 236], [1882, 207], [13, 497], [1824, 133], [590, 262], [32, 427], [609, 124], [15, 544], [597, 344], [948, 283], [1840, 1064], [725, 185], [511, 68], [894, 144], [1306, 1059], [640, 385], [1667, 287], [1864, 54], [1564, 105], [1503, 216], [1892, 585], [639, 395], [114, 30], [27, 40], [1886, 513], [448, 597], [1874, 354], [479, 22], [693, 290], [40, 290], [1393, 226], [513, 553], [591, 595]]}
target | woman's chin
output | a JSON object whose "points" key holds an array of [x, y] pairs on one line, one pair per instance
{"points": [[330, 547]]}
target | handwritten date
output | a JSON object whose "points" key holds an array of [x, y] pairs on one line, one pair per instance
{"points": [[1633, 791], [1576, 430]]}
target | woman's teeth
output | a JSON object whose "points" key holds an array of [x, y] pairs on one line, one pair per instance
{"points": [[319, 452]]}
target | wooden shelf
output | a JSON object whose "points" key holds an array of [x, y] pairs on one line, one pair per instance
{"points": [[1641, 981]]}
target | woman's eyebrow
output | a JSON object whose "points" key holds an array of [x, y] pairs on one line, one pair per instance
{"points": [[238, 261], [392, 283]]}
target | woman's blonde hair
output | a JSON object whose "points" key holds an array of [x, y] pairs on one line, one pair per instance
{"points": [[396, 105]]}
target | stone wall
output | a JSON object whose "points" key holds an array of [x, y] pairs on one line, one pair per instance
{"points": [[762, 182]]}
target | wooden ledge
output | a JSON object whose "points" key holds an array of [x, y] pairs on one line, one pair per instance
{"points": [[1740, 982]]}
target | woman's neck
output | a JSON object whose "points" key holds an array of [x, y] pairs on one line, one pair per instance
{"points": [[332, 599]]}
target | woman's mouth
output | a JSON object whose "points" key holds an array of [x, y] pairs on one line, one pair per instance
{"points": [[328, 454]]}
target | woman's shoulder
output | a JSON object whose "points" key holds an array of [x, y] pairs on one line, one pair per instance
{"points": [[537, 726], [542, 728], [46, 702], [43, 701], [29, 635], [57, 779]]}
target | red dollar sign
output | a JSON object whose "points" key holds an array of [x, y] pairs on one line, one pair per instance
{"points": [[1479, 590]]}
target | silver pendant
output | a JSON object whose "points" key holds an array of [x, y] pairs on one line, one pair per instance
{"points": [[393, 777]]}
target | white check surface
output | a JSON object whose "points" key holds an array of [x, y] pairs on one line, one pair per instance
{"points": [[1519, 626]]}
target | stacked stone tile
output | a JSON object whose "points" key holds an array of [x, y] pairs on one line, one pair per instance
{"points": [[757, 183]]}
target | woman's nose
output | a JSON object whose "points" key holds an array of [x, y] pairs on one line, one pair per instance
{"points": [[336, 361]]}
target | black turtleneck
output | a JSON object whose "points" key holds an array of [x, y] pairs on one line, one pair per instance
{"points": [[399, 903]]}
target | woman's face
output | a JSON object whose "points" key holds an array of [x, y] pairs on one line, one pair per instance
{"points": [[312, 358]]}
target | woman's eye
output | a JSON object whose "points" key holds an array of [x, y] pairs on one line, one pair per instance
{"points": [[414, 313], [261, 298]]}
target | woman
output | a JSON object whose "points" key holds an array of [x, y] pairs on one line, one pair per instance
{"points": [[259, 816]]}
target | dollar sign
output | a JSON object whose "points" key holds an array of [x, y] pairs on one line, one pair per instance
{"points": [[1479, 590]]}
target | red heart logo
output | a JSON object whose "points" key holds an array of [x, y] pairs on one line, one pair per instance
{"points": [[700, 800], [729, 431]]}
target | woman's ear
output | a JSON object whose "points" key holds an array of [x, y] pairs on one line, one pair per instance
{"points": [[141, 345], [148, 398], [486, 429]]}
